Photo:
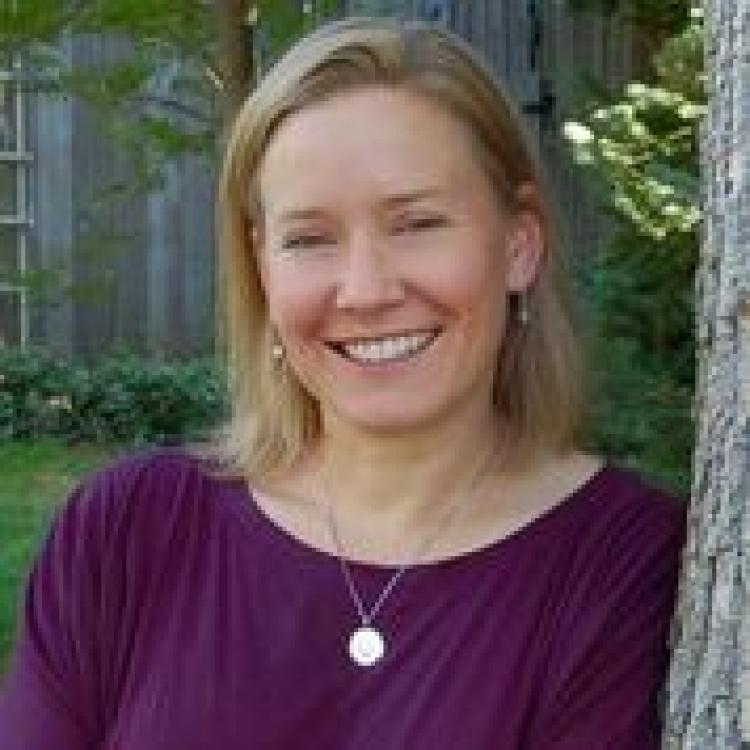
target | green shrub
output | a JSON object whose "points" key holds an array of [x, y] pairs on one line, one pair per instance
{"points": [[640, 148], [642, 415], [121, 400]]}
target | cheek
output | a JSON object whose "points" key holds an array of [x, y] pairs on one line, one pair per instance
{"points": [[295, 302], [469, 282]]}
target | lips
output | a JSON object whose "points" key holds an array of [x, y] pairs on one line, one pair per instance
{"points": [[389, 348]]}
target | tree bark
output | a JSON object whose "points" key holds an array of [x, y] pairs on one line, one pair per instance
{"points": [[704, 692], [236, 58]]}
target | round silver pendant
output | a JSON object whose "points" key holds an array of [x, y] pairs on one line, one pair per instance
{"points": [[366, 646]]}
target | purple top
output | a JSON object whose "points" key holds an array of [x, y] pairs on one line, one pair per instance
{"points": [[167, 611]]}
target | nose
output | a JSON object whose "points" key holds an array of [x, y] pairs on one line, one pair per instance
{"points": [[369, 278]]}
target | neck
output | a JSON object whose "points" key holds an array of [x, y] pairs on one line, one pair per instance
{"points": [[397, 483]]}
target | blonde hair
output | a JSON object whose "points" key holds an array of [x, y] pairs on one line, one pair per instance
{"points": [[538, 386]]}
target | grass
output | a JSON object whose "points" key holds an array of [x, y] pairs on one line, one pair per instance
{"points": [[35, 477]]}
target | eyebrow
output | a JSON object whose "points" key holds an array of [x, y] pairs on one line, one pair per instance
{"points": [[396, 199]]}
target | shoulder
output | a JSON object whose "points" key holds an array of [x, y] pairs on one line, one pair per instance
{"points": [[129, 535], [625, 542], [120, 550], [147, 495], [152, 464], [157, 473], [640, 509], [606, 499], [613, 530], [618, 494]]}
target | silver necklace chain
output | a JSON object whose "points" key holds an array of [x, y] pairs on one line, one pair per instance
{"points": [[366, 644], [365, 616]]}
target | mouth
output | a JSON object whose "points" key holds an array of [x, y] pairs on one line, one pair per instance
{"points": [[385, 349]]}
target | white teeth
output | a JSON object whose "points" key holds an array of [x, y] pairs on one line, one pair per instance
{"points": [[388, 349]]}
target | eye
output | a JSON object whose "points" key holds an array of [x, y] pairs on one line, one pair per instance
{"points": [[300, 241], [421, 223]]}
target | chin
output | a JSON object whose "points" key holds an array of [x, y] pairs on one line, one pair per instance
{"points": [[389, 419]]}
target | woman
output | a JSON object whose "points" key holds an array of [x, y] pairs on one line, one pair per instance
{"points": [[397, 542]]}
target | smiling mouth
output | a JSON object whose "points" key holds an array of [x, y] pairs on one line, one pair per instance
{"points": [[387, 348]]}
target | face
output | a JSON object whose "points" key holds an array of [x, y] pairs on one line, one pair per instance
{"points": [[386, 260]]}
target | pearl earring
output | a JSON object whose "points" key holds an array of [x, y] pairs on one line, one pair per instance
{"points": [[523, 308], [278, 352]]}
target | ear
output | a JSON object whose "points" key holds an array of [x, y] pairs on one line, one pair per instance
{"points": [[525, 242]]}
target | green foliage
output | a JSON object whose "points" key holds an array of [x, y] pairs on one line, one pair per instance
{"points": [[641, 148], [645, 148], [120, 400], [283, 21], [643, 412], [643, 144], [179, 25], [168, 66], [656, 15]]}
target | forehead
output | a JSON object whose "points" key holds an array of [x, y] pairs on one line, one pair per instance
{"points": [[372, 141]]}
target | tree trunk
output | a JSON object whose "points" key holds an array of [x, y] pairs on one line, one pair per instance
{"points": [[236, 58], [704, 694]]}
